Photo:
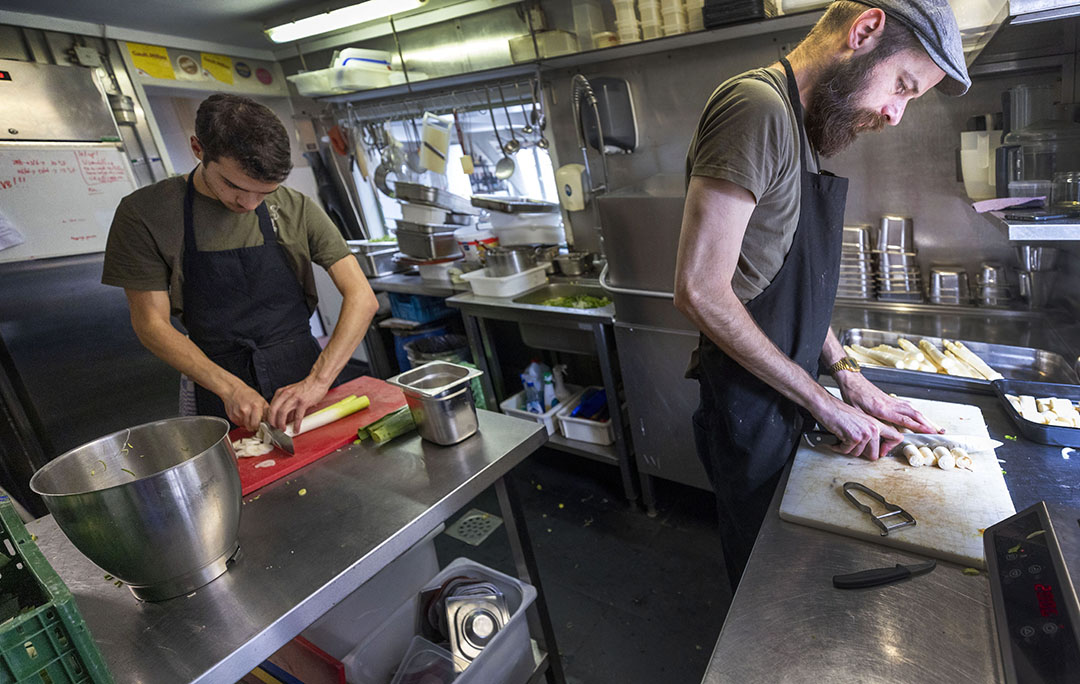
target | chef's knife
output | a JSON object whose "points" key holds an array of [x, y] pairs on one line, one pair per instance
{"points": [[278, 437], [971, 443], [879, 576]]}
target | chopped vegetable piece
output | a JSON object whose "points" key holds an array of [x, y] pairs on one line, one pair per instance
{"points": [[971, 571], [302, 492], [577, 302], [128, 472], [393, 425]]}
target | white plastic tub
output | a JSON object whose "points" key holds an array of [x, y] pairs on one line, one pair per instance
{"points": [[583, 429], [507, 658], [335, 80], [506, 286], [515, 406]]}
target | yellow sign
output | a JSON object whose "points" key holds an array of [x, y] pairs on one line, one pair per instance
{"points": [[151, 60], [218, 66]]}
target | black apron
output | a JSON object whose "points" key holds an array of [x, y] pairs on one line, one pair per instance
{"points": [[744, 429], [245, 309]]}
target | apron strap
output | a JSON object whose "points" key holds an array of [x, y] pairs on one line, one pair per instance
{"points": [[266, 226], [796, 105]]}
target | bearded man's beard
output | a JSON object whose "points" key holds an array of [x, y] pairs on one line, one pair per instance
{"points": [[833, 116]]}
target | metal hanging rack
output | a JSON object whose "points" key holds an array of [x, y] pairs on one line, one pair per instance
{"points": [[463, 99]]}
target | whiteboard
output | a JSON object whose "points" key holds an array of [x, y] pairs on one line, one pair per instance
{"points": [[59, 198]]}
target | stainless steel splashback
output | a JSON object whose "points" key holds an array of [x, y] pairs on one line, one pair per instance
{"points": [[54, 103]]}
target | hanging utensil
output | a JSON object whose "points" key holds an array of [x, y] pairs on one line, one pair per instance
{"points": [[538, 118], [513, 145], [527, 129], [505, 167], [466, 159], [412, 159]]}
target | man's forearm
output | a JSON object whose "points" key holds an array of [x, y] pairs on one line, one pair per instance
{"points": [[831, 350], [171, 346], [353, 323], [728, 324]]}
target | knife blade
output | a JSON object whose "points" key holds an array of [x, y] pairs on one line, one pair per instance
{"points": [[878, 576], [971, 443], [277, 437]]}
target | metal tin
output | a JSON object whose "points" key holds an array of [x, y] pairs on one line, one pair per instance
{"points": [[435, 197], [1055, 435], [365, 246], [1020, 363], [376, 264], [426, 245], [504, 261], [514, 205], [440, 399]]}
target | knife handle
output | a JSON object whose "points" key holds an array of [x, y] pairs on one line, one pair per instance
{"points": [[871, 578], [820, 438]]}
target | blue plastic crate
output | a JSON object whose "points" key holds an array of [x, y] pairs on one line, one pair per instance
{"points": [[419, 308]]}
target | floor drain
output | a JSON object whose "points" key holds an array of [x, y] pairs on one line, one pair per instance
{"points": [[474, 527]]}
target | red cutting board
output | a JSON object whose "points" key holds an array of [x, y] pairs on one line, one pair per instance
{"points": [[311, 446]]}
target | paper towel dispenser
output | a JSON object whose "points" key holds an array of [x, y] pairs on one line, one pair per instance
{"points": [[616, 107]]}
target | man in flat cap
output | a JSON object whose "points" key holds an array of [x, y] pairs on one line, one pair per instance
{"points": [[759, 252]]}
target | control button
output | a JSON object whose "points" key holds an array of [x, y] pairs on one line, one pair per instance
{"points": [[1027, 631], [1014, 573], [1035, 569], [1050, 628], [1010, 556]]}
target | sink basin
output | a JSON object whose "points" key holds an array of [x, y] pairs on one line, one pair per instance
{"points": [[540, 295]]}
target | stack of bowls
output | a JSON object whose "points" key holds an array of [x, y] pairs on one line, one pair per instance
{"points": [[991, 287], [897, 275], [1036, 274], [856, 266], [949, 285]]}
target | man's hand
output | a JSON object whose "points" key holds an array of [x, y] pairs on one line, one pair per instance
{"points": [[245, 406], [291, 402], [859, 434], [865, 395]]}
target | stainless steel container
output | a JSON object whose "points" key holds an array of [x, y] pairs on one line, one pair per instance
{"points": [[573, 263], [376, 264], [1034, 258], [426, 244], [897, 234], [1036, 287], [157, 506], [434, 197], [439, 395], [504, 261]]}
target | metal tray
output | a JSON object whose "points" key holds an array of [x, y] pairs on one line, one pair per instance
{"points": [[1055, 435], [1016, 363], [514, 205], [425, 228], [365, 246], [434, 197], [376, 264], [428, 245]]}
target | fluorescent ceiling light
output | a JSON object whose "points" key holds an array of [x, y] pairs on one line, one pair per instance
{"points": [[340, 19]]}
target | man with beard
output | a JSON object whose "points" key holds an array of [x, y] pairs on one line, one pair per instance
{"points": [[759, 250]]}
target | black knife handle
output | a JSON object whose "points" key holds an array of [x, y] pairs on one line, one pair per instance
{"points": [[871, 578], [821, 438]]}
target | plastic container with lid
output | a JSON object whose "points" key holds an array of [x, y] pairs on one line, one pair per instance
{"points": [[649, 11], [650, 30], [628, 31], [625, 10], [675, 21], [588, 21], [364, 58]]}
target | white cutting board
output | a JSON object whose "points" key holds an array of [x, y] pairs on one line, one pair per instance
{"points": [[951, 508]]}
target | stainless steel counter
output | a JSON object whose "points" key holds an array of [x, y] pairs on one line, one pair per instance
{"points": [[505, 308], [788, 624], [411, 283], [302, 554]]}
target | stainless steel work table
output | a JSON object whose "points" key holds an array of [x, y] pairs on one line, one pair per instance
{"points": [[362, 508], [787, 623], [409, 283], [579, 331]]}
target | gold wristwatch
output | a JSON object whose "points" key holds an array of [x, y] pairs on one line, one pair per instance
{"points": [[845, 364]]}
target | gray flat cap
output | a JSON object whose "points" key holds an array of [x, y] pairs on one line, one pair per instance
{"points": [[933, 23]]}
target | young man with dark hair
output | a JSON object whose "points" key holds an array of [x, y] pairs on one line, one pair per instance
{"points": [[229, 251], [759, 250]]}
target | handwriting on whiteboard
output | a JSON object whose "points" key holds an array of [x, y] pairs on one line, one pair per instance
{"points": [[95, 166]]}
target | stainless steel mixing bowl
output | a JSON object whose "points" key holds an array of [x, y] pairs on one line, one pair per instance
{"points": [[157, 506]]}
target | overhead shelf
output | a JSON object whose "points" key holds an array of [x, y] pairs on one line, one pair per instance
{"points": [[1038, 231]]}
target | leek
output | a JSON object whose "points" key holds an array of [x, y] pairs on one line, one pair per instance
{"points": [[333, 412], [390, 426]]}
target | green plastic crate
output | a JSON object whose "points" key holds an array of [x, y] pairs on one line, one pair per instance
{"points": [[43, 638]]}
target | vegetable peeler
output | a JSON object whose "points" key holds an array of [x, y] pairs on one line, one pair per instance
{"points": [[878, 576], [906, 518]]}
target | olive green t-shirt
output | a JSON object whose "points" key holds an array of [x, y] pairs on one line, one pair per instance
{"points": [[145, 247], [747, 135]]}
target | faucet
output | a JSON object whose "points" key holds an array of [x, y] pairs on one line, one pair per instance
{"points": [[581, 89]]}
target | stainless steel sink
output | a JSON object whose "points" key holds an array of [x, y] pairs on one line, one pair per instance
{"points": [[542, 294]]}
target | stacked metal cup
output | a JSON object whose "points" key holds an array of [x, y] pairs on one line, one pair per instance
{"points": [[856, 265], [949, 285], [1037, 274], [992, 286], [897, 276]]}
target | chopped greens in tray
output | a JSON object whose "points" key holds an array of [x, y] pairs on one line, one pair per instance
{"points": [[577, 302], [385, 238]]}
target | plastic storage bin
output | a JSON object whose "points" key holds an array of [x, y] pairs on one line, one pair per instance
{"points": [[507, 658], [419, 308], [506, 286], [583, 429], [43, 638], [515, 406]]}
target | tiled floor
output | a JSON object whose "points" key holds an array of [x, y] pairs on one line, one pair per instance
{"points": [[633, 599]]}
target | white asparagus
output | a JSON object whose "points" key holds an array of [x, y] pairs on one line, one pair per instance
{"points": [[963, 460], [974, 360], [863, 359], [928, 455], [914, 457], [945, 458], [1028, 407], [878, 355], [934, 355], [961, 367], [1043, 404]]}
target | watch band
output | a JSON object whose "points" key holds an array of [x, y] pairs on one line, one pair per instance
{"points": [[845, 364]]}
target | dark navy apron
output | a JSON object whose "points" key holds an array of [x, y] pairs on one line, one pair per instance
{"points": [[744, 430], [245, 309]]}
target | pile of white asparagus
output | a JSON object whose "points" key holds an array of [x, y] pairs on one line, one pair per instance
{"points": [[1055, 411], [946, 459], [957, 359]]}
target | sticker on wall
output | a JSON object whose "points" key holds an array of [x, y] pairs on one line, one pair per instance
{"points": [[188, 69], [243, 70], [218, 66], [264, 76], [151, 60]]}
